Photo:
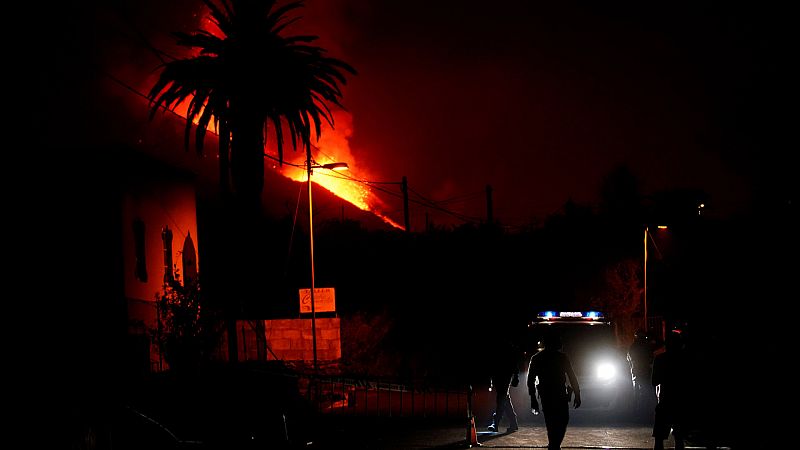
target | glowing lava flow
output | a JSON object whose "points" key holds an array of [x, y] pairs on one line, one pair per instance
{"points": [[332, 146], [341, 186]]}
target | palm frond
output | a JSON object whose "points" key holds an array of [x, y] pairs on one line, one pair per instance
{"points": [[220, 19], [275, 17], [254, 75]]}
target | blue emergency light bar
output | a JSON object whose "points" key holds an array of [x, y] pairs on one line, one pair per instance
{"points": [[589, 315]]}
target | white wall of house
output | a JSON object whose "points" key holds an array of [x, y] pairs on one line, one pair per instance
{"points": [[154, 204]]}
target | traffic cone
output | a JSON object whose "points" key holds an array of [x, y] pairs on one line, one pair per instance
{"points": [[472, 433]]}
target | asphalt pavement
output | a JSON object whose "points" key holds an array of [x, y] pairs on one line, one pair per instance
{"points": [[399, 434]]}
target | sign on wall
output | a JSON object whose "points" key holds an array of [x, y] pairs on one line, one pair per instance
{"points": [[324, 300]]}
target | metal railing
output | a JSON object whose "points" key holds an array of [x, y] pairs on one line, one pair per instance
{"points": [[380, 397]]}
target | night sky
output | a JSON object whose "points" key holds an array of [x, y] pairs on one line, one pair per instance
{"points": [[540, 101]]}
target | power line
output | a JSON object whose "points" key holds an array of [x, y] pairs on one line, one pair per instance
{"points": [[144, 40], [294, 227], [282, 162], [381, 182], [374, 184], [462, 198], [426, 199], [433, 205], [427, 203]]}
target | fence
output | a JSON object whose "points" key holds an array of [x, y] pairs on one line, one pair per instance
{"points": [[382, 397]]}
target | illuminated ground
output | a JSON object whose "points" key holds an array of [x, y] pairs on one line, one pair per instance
{"points": [[531, 435]]}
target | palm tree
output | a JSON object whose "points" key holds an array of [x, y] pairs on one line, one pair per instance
{"points": [[248, 80]]}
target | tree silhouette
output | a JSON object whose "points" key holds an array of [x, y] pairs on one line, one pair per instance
{"points": [[621, 297], [248, 80]]}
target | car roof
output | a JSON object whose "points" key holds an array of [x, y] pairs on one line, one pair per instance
{"points": [[571, 317]]}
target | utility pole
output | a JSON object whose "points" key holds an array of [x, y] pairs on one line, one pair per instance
{"points": [[405, 204]]}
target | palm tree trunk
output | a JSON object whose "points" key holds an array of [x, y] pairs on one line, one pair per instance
{"points": [[247, 176], [247, 164], [229, 312]]}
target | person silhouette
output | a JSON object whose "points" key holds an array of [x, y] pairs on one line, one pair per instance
{"points": [[504, 376], [640, 357], [670, 370], [548, 372]]}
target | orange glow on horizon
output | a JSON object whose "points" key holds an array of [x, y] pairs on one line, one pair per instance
{"points": [[332, 147], [351, 191]]}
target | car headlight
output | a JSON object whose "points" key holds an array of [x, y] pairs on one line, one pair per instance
{"points": [[605, 371]]}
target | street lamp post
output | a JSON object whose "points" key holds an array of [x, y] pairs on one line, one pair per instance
{"points": [[310, 166], [646, 234]]}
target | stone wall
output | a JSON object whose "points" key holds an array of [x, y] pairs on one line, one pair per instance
{"points": [[291, 340]]}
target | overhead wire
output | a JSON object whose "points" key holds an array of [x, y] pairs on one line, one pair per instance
{"points": [[377, 185], [433, 205], [294, 227], [426, 202], [160, 54], [461, 198]]}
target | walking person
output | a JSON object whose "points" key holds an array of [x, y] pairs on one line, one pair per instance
{"points": [[640, 357], [670, 370], [547, 375], [504, 376]]}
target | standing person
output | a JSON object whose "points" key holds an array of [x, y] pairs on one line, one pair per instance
{"points": [[548, 373], [640, 357], [504, 376], [669, 379]]}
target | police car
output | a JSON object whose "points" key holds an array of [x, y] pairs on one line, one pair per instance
{"points": [[599, 364]]}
